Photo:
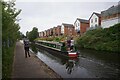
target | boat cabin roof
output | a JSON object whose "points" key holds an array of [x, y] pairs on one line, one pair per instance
{"points": [[50, 42]]}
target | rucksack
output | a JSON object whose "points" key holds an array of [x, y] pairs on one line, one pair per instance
{"points": [[26, 43]]}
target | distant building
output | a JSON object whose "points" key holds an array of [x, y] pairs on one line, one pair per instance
{"points": [[45, 33], [58, 30], [41, 34], [95, 20], [54, 31], [81, 25], [67, 29], [110, 16], [48, 33], [51, 31]]}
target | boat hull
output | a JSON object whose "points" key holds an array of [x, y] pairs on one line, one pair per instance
{"points": [[53, 51], [56, 52], [72, 54]]}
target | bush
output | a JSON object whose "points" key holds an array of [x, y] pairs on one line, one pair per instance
{"points": [[101, 39], [7, 60]]}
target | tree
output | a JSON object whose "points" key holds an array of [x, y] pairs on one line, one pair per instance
{"points": [[10, 31], [27, 34], [20, 35], [10, 34], [32, 35]]}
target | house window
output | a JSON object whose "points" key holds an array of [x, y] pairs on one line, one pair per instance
{"points": [[95, 25], [91, 25], [95, 19], [78, 24], [91, 20]]}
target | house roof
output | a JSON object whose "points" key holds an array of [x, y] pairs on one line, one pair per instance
{"points": [[67, 25], [54, 27], [83, 20], [51, 28], [97, 14], [48, 29], [111, 10], [59, 26]]}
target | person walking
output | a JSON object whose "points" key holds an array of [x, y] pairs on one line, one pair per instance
{"points": [[26, 47]]}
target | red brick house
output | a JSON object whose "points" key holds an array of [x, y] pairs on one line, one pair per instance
{"points": [[58, 30], [41, 34], [81, 26], [45, 33], [51, 31], [48, 33], [67, 29], [54, 31]]}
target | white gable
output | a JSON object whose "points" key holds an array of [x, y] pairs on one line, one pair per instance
{"points": [[77, 25], [62, 29], [94, 20]]}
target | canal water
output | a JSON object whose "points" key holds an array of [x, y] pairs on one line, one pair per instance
{"points": [[89, 64]]}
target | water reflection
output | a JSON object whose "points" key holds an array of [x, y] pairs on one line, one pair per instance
{"points": [[70, 64]]}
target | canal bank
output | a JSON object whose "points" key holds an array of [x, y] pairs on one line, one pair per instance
{"points": [[30, 67]]}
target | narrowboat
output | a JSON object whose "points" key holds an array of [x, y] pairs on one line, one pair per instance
{"points": [[59, 47]]}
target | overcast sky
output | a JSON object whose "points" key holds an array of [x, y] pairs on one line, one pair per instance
{"points": [[45, 15]]}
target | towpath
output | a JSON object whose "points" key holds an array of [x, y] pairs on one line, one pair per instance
{"points": [[30, 67]]}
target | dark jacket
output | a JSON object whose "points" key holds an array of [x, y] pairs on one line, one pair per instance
{"points": [[26, 45]]}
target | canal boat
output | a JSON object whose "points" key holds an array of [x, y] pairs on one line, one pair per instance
{"points": [[59, 47]]}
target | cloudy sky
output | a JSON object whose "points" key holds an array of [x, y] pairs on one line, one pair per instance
{"points": [[45, 15]]}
